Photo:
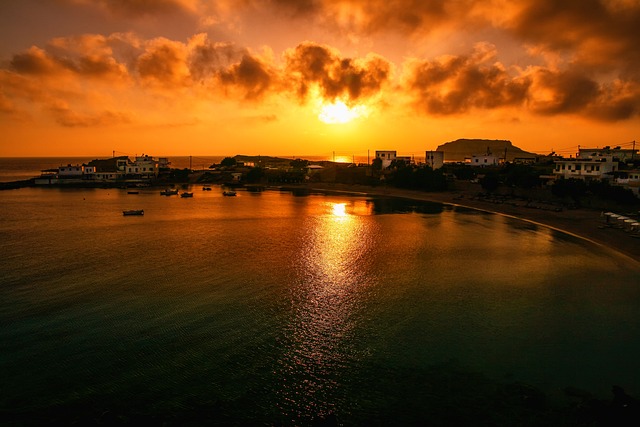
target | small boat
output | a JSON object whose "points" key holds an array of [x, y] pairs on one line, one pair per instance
{"points": [[133, 212], [228, 193], [185, 194], [133, 192], [168, 192], [206, 188]]}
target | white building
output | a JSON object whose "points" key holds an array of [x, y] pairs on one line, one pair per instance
{"points": [[69, 171], [435, 159], [484, 160], [144, 166], [586, 168], [619, 154], [387, 156], [631, 180]]}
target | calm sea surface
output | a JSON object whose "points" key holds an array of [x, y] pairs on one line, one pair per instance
{"points": [[273, 309]]}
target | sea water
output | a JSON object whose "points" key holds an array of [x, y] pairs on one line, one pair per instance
{"points": [[268, 308]]}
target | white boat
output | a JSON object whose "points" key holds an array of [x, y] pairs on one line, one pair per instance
{"points": [[228, 193], [168, 192], [133, 212], [185, 194]]}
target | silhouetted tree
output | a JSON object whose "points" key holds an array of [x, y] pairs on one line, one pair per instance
{"points": [[299, 163], [376, 164], [254, 175], [228, 162], [522, 176], [490, 182], [572, 188]]}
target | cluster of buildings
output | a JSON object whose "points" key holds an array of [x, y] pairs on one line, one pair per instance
{"points": [[435, 159], [615, 165], [116, 169]]}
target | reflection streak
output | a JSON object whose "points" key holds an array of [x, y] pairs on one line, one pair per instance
{"points": [[326, 298]]}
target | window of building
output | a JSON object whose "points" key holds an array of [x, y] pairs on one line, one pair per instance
{"points": [[578, 167]]}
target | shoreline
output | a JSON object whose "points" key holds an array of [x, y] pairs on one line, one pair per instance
{"points": [[583, 223]]}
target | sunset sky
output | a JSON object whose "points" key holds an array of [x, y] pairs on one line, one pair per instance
{"points": [[313, 77]]}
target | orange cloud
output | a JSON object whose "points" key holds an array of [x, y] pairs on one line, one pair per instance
{"points": [[580, 27], [68, 117], [88, 56], [140, 7], [164, 63], [456, 84], [252, 75], [311, 64], [92, 80], [572, 92]]}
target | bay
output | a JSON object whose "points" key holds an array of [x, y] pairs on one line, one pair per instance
{"points": [[268, 308]]}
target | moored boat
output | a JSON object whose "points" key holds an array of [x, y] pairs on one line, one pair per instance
{"points": [[168, 192], [133, 212], [228, 193], [185, 194]]}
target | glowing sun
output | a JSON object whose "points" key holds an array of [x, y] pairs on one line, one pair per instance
{"points": [[339, 112]]}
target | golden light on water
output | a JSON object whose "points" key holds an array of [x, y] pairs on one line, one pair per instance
{"points": [[340, 210]]}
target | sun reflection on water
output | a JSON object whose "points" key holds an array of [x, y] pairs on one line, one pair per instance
{"points": [[326, 300]]}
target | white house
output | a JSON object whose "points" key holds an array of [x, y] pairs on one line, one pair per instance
{"points": [[387, 156], [631, 180], [617, 153], [145, 166], [70, 172], [586, 168], [435, 159], [484, 160]]}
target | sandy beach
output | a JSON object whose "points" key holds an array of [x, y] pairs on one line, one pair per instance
{"points": [[587, 224]]}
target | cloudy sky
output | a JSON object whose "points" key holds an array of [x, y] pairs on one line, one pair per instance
{"points": [[313, 77]]}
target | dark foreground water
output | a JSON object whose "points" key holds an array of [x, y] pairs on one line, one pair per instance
{"points": [[272, 309]]}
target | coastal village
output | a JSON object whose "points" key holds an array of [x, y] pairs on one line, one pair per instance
{"points": [[619, 167]]}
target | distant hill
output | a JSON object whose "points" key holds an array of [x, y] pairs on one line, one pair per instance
{"points": [[459, 149]]}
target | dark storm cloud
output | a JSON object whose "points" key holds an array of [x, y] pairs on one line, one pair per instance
{"points": [[311, 64]]}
